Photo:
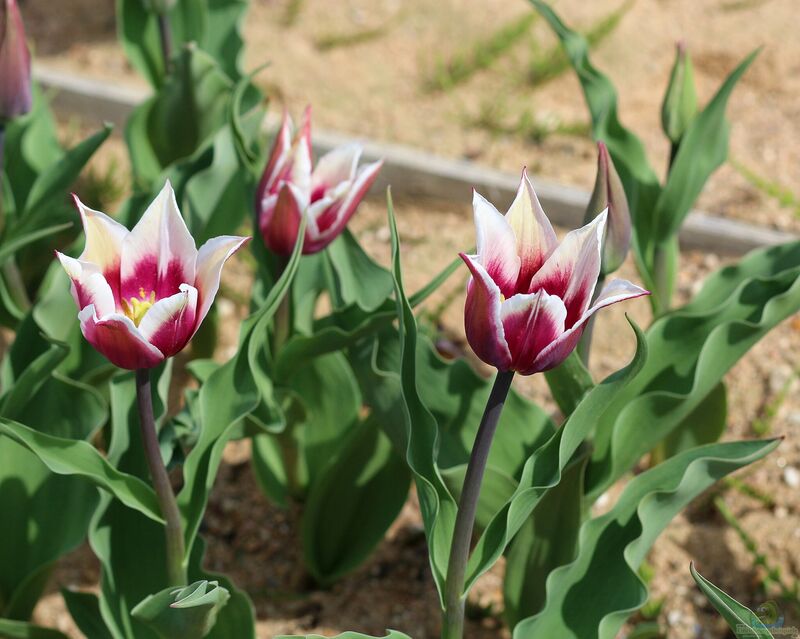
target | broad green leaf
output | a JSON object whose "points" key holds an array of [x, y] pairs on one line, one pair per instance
{"points": [[704, 425], [358, 278], [78, 458], [569, 382], [744, 623], [691, 350], [496, 489], [703, 148], [189, 611], [53, 183], [84, 608], [352, 502], [137, 30], [612, 546], [55, 405], [10, 629], [419, 439], [548, 540]]}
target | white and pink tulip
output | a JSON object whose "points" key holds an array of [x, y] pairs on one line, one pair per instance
{"points": [[530, 296], [327, 195], [143, 294]]}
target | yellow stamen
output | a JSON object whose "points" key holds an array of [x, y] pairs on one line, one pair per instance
{"points": [[135, 308]]}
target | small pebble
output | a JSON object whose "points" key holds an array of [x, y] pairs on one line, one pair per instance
{"points": [[791, 476], [674, 617], [781, 462]]}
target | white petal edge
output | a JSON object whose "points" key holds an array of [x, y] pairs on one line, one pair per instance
{"points": [[104, 236], [531, 225], [496, 242], [338, 165], [89, 277], [165, 310], [210, 259]]}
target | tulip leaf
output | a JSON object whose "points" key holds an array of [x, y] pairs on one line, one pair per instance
{"points": [[214, 24], [358, 278], [10, 629], [353, 501], [704, 425], [56, 405], [743, 622], [188, 611], [58, 178], [71, 457], [692, 348], [703, 148], [496, 489], [569, 382], [84, 608], [627, 150], [419, 437], [612, 546], [547, 540]]}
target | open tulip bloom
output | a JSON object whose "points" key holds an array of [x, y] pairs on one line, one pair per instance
{"points": [[529, 297], [327, 196], [143, 294]]}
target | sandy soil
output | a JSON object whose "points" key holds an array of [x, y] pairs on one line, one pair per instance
{"points": [[258, 546], [375, 86]]}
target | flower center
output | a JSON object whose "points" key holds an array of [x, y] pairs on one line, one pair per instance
{"points": [[136, 307]]}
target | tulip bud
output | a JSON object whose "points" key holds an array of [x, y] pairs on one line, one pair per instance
{"points": [[159, 6], [680, 101], [15, 64], [609, 194]]}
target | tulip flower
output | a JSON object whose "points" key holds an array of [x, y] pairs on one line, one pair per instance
{"points": [[530, 296], [143, 294], [327, 196], [609, 194], [15, 64]]}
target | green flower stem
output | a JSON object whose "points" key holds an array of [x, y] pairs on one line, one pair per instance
{"points": [[453, 622], [176, 572], [10, 270], [585, 345], [165, 35]]}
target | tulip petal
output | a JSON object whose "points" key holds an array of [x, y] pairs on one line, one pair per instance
{"points": [[117, 338], [103, 246], [170, 323], [558, 351], [482, 320], [571, 271], [335, 167], [536, 239], [278, 157], [210, 259], [497, 245], [159, 254], [89, 286], [327, 226], [531, 322], [279, 227]]}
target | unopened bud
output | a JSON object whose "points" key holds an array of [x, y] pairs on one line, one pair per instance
{"points": [[609, 194], [680, 101], [15, 63]]}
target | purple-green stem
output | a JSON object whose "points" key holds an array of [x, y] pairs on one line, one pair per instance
{"points": [[454, 595], [12, 276], [165, 35], [173, 527]]}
